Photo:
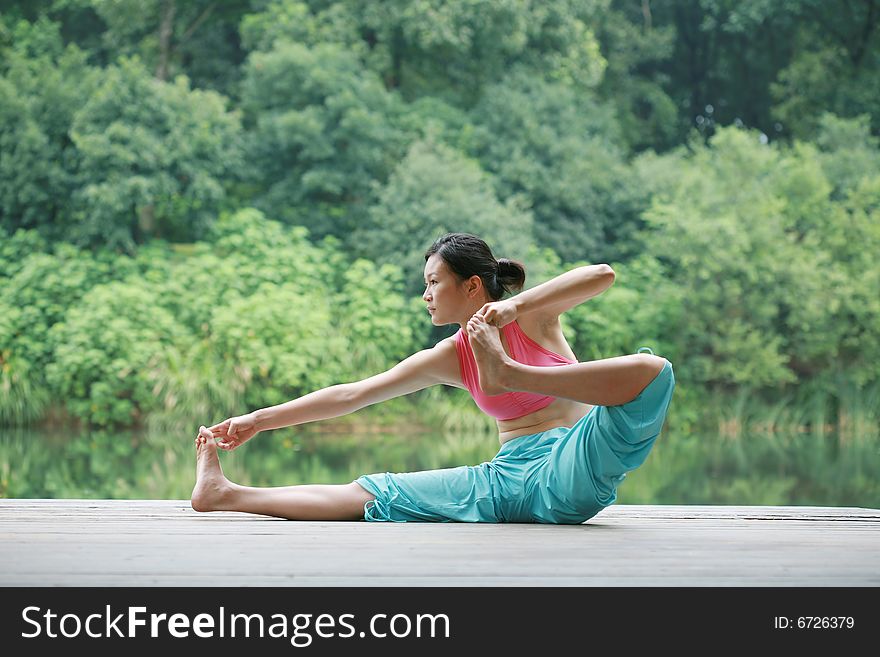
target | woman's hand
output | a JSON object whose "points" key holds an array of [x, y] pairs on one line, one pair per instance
{"points": [[498, 313], [235, 431]]}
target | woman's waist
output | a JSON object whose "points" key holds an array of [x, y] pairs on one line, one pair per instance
{"points": [[561, 413]]}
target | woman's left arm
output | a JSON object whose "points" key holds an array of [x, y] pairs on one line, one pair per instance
{"points": [[552, 298], [549, 300]]}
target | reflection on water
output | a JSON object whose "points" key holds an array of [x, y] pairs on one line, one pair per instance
{"points": [[800, 469]]}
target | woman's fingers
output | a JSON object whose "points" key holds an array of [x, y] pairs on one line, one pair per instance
{"points": [[203, 435], [488, 312]]}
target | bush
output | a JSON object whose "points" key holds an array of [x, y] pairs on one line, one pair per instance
{"points": [[104, 350]]}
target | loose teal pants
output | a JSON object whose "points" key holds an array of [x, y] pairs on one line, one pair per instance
{"points": [[564, 475]]}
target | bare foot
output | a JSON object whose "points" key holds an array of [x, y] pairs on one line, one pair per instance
{"points": [[212, 489], [493, 363]]}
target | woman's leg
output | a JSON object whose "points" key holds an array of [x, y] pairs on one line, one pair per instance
{"points": [[607, 382], [214, 492]]}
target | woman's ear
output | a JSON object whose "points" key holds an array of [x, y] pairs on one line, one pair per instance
{"points": [[474, 285]]}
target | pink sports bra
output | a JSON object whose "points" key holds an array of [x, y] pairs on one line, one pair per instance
{"points": [[507, 405]]}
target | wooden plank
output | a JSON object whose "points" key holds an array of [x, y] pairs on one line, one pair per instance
{"points": [[164, 542]]}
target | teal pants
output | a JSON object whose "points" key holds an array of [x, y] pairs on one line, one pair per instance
{"points": [[564, 475]]}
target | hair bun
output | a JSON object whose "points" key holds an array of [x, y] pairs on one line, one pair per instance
{"points": [[511, 274], [467, 255]]}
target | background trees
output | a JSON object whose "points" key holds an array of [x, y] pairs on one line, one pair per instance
{"points": [[241, 192]]}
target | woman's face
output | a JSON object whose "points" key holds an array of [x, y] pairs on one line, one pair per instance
{"points": [[447, 297]]}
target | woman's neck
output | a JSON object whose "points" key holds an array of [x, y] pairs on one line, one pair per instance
{"points": [[462, 321]]}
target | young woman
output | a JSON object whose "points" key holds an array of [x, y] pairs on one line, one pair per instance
{"points": [[569, 431]]}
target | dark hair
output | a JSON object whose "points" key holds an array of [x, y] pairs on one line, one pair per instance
{"points": [[467, 255]]}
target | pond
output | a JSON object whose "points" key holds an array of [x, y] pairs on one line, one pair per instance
{"points": [[684, 468]]}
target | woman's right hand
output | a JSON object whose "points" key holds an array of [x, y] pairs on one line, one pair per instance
{"points": [[235, 431]]}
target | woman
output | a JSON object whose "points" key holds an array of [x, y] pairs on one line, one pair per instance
{"points": [[569, 431]]}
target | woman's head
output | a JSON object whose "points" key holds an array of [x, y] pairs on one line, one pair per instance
{"points": [[472, 270]]}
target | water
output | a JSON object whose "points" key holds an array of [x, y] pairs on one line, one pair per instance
{"points": [[751, 469]]}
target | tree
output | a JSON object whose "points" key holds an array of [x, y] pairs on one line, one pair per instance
{"points": [[562, 150], [322, 131], [107, 156], [42, 85], [196, 38], [835, 68], [155, 159], [433, 191], [638, 50], [453, 49], [773, 66], [103, 352], [751, 240]]}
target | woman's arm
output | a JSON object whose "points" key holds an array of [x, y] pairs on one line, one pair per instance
{"points": [[319, 405], [421, 370], [552, 298]]}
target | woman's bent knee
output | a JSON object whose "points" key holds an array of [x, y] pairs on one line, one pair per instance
{"points": [[651, 364], [648, 367]]}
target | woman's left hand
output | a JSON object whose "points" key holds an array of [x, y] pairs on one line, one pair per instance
{"points": [[498, 313]]}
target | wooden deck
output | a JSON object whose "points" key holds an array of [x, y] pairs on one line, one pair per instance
{"points": [[166, 543]]}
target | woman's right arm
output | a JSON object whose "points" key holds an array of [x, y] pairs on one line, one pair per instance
{"points": [[421, 370]]}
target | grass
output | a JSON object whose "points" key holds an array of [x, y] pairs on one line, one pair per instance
{"points": [[847, 412]]}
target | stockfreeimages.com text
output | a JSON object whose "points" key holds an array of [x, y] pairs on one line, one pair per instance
{"points": [[300, 629]]}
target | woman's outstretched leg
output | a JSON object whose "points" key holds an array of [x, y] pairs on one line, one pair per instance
{"points": [[214, 492], [606, 382]]}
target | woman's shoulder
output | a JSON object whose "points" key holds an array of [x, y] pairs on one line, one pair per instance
{"points": [[536, 326], [447, 344], [546, 332], [446, 359]]}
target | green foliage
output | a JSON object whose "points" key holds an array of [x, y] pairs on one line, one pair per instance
{"points": [[560, 149], [15, 247], [291, 317], [258, 316], [267, 251], [281, 21], [848, 152], [108, 156], [834, 67], [42, 85], [637, 50], [36, 295], [105, 347], [23, 395], [322, 133], [155, 158], [436, 190], [771, 66], [434, 119], [629, 315], [453, 49], [196, 38], [382, 329], [45, 286], [745, 231], [275, 171], [283, 338]]}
